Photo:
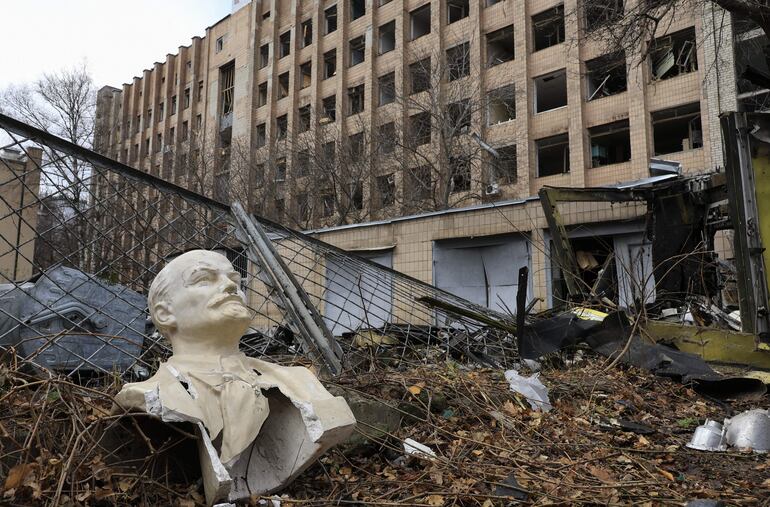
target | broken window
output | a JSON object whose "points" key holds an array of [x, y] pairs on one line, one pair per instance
{"points": [[387, 87], [598, 14], [355, 99], [302, 163], [357, 50], [501, 106], [677, 129], [284, 44], [500, 46], [304, 118], [387, 37], [158, 142], [281, 126], [419, 128], [419, 75], [173, 110], [419, 21], [387, 139], [262, 94], [357, 9], [259, 175], [548, 27], [551, 91], [198, 121], [457, 10], [552, 155], [280, 169], [610, 143], [328, 154], [200, 91], [460, 173], [307, 33], [674, 54], [226, 89], [283, 85], [264, 55], [219, 45], [606, 75], [458, 61], [386, 190], [260, 137], [327, 201], [330, 17], [459, 116], [505, 165], [330, 109], [186, 99], [356, 194], [743, 24], [305, 74], [419, 185], [303, 207], [356, 144], [280, 207], [330, 64], [753, 73]]}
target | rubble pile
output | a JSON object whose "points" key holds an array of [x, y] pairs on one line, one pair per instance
{"points": [[614, 436]]}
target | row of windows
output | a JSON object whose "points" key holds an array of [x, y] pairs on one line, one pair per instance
{"points": [[674, 130], [160, 112]]}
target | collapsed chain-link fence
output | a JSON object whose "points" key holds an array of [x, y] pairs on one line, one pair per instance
{"points": [[83, 237]]}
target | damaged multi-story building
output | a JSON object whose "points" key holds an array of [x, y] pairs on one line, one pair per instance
{"points": [[419, 132]]}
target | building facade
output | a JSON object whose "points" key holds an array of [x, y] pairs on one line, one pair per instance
{"points": [[20, 177], [278, 86]]}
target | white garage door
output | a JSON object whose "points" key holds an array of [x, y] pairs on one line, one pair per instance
{"points": [[484, 271], [358, 300]]}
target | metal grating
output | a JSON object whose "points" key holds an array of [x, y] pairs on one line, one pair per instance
{"points": [[83, 236]]}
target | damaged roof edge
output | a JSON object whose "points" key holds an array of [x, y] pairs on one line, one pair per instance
{"points": [[652, 180]]}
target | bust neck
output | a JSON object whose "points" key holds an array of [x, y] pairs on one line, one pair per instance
{"points": [[204, 348]]}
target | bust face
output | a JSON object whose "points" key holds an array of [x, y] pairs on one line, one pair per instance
{"points": [[205, 297]]}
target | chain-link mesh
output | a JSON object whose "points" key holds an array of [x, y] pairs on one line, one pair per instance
{"points": [[83, 236]]}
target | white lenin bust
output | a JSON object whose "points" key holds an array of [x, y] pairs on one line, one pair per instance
{"points": [[260, 424]]}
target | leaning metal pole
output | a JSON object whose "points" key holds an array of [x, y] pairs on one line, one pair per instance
{"points": [[305, 316]]}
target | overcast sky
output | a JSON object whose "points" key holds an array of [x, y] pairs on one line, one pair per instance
{"points": [[117, 38]]}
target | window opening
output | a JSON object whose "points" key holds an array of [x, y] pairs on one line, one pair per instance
{"points": [[610, 143], [552, 155]]}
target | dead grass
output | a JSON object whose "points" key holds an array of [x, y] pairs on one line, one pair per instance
{"points": [[54, 445]]}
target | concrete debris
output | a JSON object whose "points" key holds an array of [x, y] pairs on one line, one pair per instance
{"points": [[531, 388], [415, 448]]}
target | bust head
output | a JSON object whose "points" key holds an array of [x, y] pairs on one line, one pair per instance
{"points": [[196, 302]]}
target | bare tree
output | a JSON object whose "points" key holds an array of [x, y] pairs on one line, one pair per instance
{"points": [[63, 103], [439, 152], [632, 27]]}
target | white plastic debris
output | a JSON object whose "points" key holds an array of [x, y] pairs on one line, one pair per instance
{"points": [[531, 388], [415, 448]]}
